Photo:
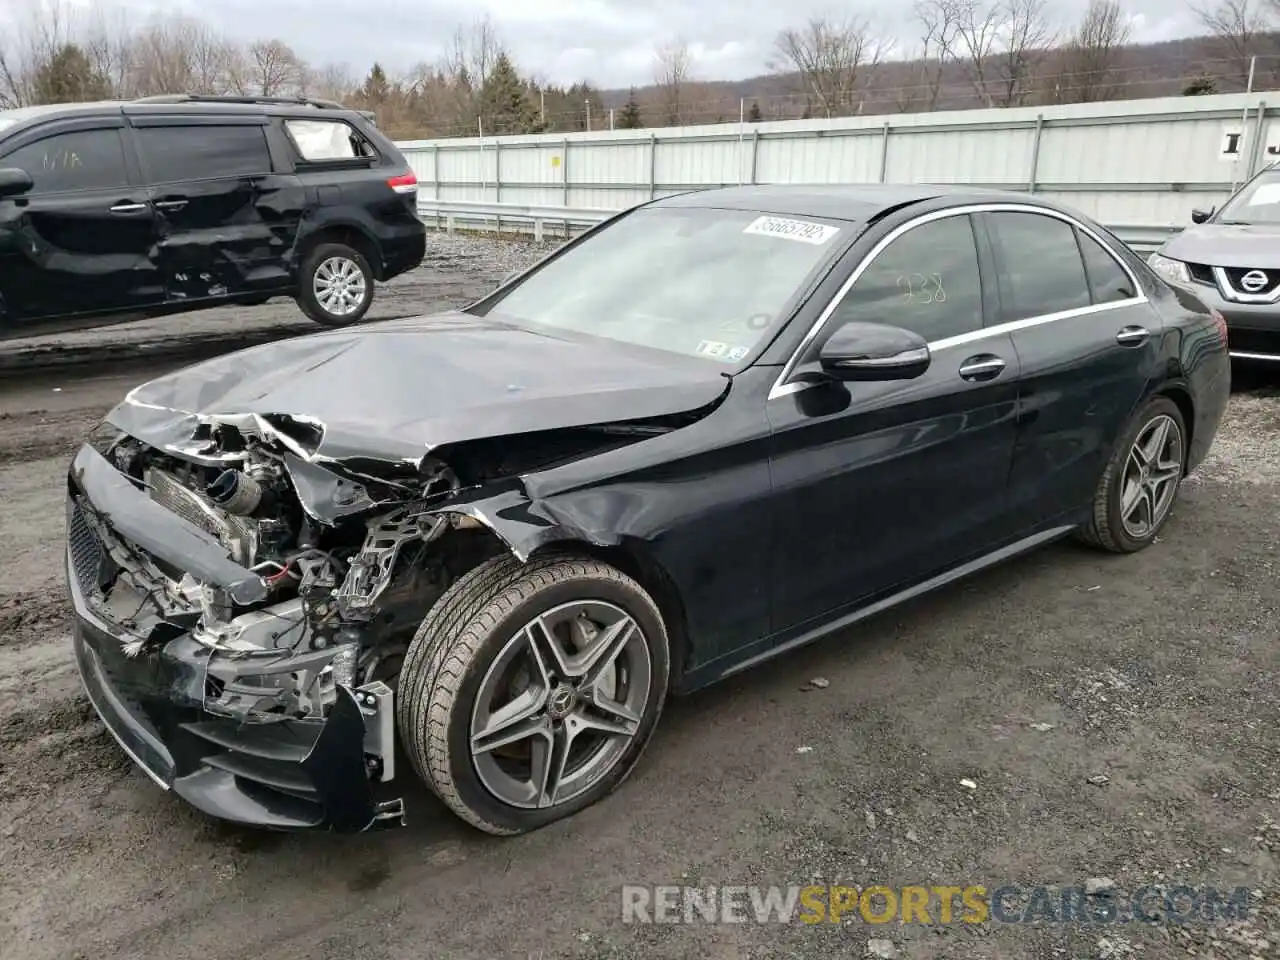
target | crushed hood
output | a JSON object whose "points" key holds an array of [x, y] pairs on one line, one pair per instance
{"points": [[1228, 245], [394, 391]]}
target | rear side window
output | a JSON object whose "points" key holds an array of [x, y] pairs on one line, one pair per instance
{"points": [[203, 152], [1043, 272], [77, 160], [321, 140], [926, 281], [1109, 280]]}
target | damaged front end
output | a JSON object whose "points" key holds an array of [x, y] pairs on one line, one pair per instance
{"points": [[242, 611]]}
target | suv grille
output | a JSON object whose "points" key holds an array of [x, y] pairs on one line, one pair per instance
{"points": [[1250, 281]]}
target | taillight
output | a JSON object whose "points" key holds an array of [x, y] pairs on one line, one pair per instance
{"points": [[1221, 323], [405, 183]]}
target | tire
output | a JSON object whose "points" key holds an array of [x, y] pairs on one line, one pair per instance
{"points": [[321, 267], [460, 652], [1108, 528]]}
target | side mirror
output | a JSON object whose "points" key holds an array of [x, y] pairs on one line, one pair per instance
{"points": [[1201, 216], [14, 182], [874, 351]]}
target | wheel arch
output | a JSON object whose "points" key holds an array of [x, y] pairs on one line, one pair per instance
{"points": [[350, 234], [527, 533], [1181, 397]]}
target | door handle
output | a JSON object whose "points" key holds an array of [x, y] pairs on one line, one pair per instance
{"points": [[1132, 336], [128, 207], [985, 366], [170, 204]]}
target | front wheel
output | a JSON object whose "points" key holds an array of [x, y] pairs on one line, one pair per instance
{"points": [[1137, 490], [335, 285], [530, 691]]}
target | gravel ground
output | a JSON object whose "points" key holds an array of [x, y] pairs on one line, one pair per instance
{"points": [[950, 742]]}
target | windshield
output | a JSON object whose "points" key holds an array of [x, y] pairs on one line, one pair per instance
{"points": [[1259, 202], [701, 283]]}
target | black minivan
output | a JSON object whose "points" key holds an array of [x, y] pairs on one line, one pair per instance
{"points": [[178, 203]]}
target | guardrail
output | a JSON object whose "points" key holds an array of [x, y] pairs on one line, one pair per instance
{"points": [[452, 215]]}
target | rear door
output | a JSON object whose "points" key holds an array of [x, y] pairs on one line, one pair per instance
{"points": [[1088, 344], [212, 180], [81, 241]]}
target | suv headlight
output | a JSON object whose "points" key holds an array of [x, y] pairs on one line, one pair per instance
{"points": [[1175, 271]]}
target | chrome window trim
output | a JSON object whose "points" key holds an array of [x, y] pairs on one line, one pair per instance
{"points": [[781, 387], [1226, 288]]}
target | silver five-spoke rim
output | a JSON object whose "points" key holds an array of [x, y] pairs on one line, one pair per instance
{"points": [[339, 285], [1151, 475], [560, 704]]}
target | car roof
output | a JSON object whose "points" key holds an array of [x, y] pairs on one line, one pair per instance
{"points": [[22, 116], [855, 202]]}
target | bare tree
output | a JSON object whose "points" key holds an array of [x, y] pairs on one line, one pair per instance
{"points": [[275, 69], [1243, 28], [330, 81], [672, 71], [178, 54], [832, 57], [1089, 58], [938, 21], [1002, 41], [472, 53]]}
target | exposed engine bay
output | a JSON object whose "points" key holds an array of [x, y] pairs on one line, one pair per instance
{"points": [[350, 567]]}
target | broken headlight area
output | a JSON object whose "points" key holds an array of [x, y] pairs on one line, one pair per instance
{"points": [[349, 564]]}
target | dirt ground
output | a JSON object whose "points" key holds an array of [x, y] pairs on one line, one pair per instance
{"points": [[953, 742]]}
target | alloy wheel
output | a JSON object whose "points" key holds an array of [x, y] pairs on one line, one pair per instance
{"points": [[560, 704], [339, 286], [1151, 475]]}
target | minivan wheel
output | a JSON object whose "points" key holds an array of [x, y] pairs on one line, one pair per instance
{"points": [[335, 285], [1137, 491], [530, 690]]}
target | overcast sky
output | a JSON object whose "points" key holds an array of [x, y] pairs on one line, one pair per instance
{"points": [[609, 42]]}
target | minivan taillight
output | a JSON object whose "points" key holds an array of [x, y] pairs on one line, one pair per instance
{"points": [[405, 183]]}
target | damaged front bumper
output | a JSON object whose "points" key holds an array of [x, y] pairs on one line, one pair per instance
{"points": [[153, 683]]}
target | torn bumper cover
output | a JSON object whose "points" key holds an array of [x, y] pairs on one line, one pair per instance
{"points": [[162, 693]]}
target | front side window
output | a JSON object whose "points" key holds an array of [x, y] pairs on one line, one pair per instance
{"points": [[926, 281], [703, 283], [204, 152], [1043, 272], [76, 160]]}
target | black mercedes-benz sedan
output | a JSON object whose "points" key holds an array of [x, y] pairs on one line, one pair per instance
{"points": [[712, 429], [1230, 258]]}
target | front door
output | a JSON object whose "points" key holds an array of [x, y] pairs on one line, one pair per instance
{"points": [[208, 183], [882, 484], [81, 240], [1088, 343]]}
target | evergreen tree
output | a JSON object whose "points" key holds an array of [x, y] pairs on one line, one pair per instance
{"points": [[754, 114], [69, 77], [504, 102], [376, 89], [630, 118]]}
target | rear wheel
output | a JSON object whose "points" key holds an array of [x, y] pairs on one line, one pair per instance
{"points": [[1137, 491], [530, 691], [335, 285]]}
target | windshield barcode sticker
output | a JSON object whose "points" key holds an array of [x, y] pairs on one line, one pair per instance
{"points": [[803, 230]]}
